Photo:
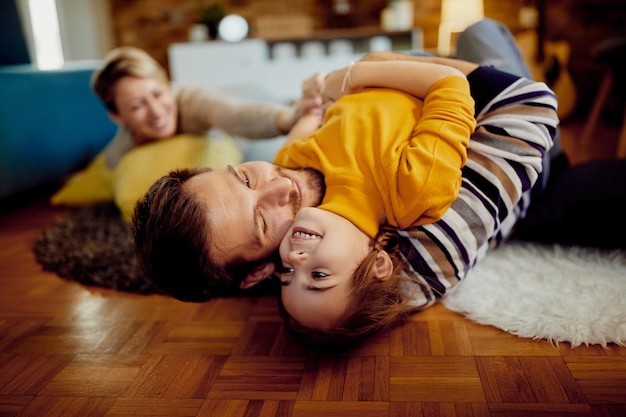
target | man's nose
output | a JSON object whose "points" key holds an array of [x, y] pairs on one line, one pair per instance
{"points": [[277, 190]]}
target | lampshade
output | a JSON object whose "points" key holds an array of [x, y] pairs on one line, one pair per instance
{"points": [[456, 15]]}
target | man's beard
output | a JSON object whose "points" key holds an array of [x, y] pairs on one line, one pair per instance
{"points": [[315, 181]]}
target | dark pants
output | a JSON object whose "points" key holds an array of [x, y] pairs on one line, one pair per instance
{"points": [[583, 205]]}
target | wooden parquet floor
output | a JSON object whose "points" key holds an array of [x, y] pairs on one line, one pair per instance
{"points": [[72, 351]]}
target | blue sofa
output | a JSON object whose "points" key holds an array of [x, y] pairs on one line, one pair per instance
{"points": [[51, 124]]}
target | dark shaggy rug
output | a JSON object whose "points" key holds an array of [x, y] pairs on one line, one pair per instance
{"points": [[94, 247]]}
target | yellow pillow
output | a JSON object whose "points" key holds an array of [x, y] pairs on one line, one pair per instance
{"points": [[141, 167], [92, 185]]}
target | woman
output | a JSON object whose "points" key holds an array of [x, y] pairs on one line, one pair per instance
{"points": [[139, 98]]}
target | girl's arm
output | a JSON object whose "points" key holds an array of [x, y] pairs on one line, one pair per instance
{"points": [[305, 125], [412, 77], [464, 66]]}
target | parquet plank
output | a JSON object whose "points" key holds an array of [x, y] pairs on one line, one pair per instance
{"points": [[490, 341], [450, 338], [176, 376], [439, 379], [338, 376], [340, 408], [444, 409], [352, 385], [504, 380], [257, 338], [602, 379], [95, 376], [472, 409], [228, 408], [550, 380], [323, 376], [15, 330], [124, 407], [68, 406], [381, 379], [540, 410], [183, 337], [225, 310], [26, 374], [608, 410], [11, 405], [258, 378], [377, 346], [415, 339], [568, 382]]}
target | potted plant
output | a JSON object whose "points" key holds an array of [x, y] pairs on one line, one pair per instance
{"points": [[211, 16]]}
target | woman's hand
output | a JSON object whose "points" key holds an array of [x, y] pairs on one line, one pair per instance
{"points": [[286, 119], [310, 104]]}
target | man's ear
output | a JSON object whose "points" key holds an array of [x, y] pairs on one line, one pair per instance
{"points": [[258, 274], [383, 266]]}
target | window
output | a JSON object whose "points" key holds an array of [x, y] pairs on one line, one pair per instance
{"points": [[46, 36]]}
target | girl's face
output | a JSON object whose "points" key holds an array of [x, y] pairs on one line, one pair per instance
{"points": [[319, 253], [147, 107]]}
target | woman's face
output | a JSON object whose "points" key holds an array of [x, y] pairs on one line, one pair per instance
{"points": [[320, 253], [147, 107]]}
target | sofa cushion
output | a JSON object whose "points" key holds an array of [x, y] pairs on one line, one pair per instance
{"points": [[141, 167], [51, 124], [92, 185]]}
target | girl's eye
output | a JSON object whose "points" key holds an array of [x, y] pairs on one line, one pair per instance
{"points": [[246, 180], [285, 270], [318, 275]]}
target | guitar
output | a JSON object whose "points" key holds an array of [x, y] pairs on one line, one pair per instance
{"points": [[547, 61]]}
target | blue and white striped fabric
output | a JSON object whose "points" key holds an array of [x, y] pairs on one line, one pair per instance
{"points": [[516, 126]]}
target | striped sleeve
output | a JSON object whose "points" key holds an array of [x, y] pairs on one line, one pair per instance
{"points": [[516, 125]]}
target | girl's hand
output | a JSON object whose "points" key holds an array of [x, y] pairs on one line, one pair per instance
{"points": [[312, 87], [337, 84]]}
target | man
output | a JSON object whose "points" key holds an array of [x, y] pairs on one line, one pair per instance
{"points": [[204, 234]]}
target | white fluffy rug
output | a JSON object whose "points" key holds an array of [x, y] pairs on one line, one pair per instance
{"points": [[562, 294]]}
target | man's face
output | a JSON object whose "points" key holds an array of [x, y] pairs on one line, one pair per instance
{"points": [[252, 205]]}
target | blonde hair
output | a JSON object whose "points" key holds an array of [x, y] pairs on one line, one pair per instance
{"points": [[123, 62], [375, 307]]}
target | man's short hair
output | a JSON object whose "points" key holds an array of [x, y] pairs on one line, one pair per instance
{"points": [[171, 231]]}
